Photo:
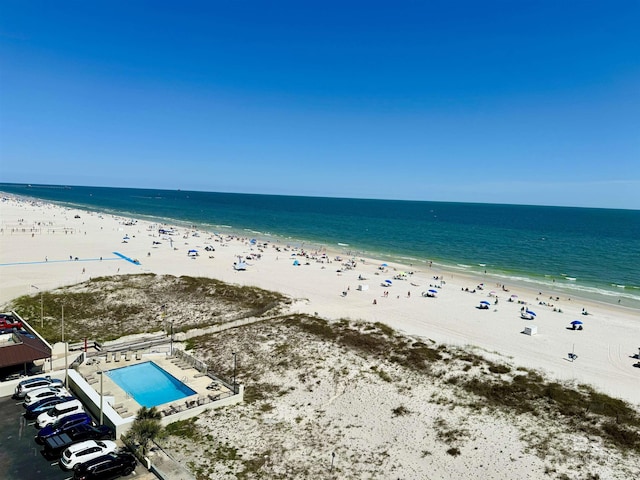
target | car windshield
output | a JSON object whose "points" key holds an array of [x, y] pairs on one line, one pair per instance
{"points": [[101, 444]]}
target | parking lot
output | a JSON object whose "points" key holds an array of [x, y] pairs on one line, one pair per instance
{"points": [[20, 455]]}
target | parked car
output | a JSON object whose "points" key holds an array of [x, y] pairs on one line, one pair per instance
{"points": [[82, 452], [62, 425], [109, 466], [33, 411], [58, 411], [44, 392], [31, 384], [56, 444], [8, 323]]}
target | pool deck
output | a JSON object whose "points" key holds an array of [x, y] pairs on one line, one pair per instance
{"points": [[207, 389]]}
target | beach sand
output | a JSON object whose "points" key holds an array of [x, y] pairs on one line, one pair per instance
{"points": [[44, 259], [40, 242]]}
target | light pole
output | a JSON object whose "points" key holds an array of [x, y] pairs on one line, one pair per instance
{"points": [[333, 456], [101, 415], [66, 353], [171, 340], [41, 306], [234, 371]]}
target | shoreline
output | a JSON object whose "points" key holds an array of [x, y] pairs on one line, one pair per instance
{"points": [[46, 261], [564, 286]]}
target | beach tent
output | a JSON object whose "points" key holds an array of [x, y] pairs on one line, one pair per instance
{"points": [[530, 330], [388, 282], [484, 302], [432, 293], [531, 313], [296, 263], [192, 253], [240, 266]]}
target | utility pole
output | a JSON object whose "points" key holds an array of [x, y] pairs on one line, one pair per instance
{"points": [[235, 390]]}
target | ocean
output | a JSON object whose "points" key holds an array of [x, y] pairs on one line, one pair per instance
{"points": [[587, 252]]}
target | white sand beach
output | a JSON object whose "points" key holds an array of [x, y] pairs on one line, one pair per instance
{"points": [[40, 242]]}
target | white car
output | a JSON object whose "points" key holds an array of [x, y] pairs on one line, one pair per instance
{"points": [[59, 411], [32, 384], [79, 453], [46, 392]]}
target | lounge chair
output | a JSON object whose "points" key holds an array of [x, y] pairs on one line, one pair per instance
{"points": [[116, 356], [138, 355], [127, 356], [214, 397], [109, 357]]}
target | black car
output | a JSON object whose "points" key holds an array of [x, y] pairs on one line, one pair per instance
{"points": [[55, 445], [106, 467]]}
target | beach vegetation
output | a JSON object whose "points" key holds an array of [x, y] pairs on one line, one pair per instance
{"points": [[187, 429], [107, 308]]}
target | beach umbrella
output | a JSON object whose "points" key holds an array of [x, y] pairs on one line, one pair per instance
{"points": [[531, 313], [388, 282], [384, 265], [576, 322], [484, 302]]}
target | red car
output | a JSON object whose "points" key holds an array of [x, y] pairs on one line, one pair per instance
{"points": [[8, 323]]}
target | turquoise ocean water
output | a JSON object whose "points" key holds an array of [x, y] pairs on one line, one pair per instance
{"points": [[594, 253]]}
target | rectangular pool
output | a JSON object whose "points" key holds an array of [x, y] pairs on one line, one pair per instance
{"points": [[149, 385]]}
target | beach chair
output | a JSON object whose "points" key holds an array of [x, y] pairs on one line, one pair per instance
{"points": [[108, 358], [116, 356], [214, 398], [127, 356], [138, 355]]}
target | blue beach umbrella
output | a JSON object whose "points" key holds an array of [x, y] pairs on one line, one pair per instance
{"points": [[576, 322]]}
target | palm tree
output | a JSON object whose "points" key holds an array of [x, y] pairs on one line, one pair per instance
{"points": [[146, 427]]}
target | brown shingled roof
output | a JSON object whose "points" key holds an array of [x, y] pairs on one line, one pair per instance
{"points": [[23, 349]]}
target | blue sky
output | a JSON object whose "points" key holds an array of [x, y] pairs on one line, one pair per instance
{"points": [[533, 102]]}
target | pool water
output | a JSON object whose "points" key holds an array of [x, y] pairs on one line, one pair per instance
{"points": [[149, 385]]}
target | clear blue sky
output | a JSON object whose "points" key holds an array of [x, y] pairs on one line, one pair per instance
{"points": [[534, 102]]}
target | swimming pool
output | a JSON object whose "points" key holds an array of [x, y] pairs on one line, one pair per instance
{"points": [[149, 385]]}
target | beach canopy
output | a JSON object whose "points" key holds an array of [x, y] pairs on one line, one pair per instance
{"points": [[384, 265], [576, 322], [193, 251], [388, 282], [433, 291], [253, 241], [296, 263], [531, 313], [484, 302]]}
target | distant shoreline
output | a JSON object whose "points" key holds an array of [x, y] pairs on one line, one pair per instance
{"points": [[599, 292]]}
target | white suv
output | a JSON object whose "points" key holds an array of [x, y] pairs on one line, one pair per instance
{"points": [[46, 392], [84, 451], [59, 411], [31, 384]]}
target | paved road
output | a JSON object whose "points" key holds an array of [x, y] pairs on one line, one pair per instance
{"points": [[20, 457]]}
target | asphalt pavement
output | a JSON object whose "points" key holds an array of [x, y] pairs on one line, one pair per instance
{"points": [[20, 455]]}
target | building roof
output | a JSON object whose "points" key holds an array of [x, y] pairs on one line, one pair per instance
{"points": [[22, 348]]}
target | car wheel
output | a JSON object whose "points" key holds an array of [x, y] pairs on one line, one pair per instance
{"points": [[129, 470]]}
